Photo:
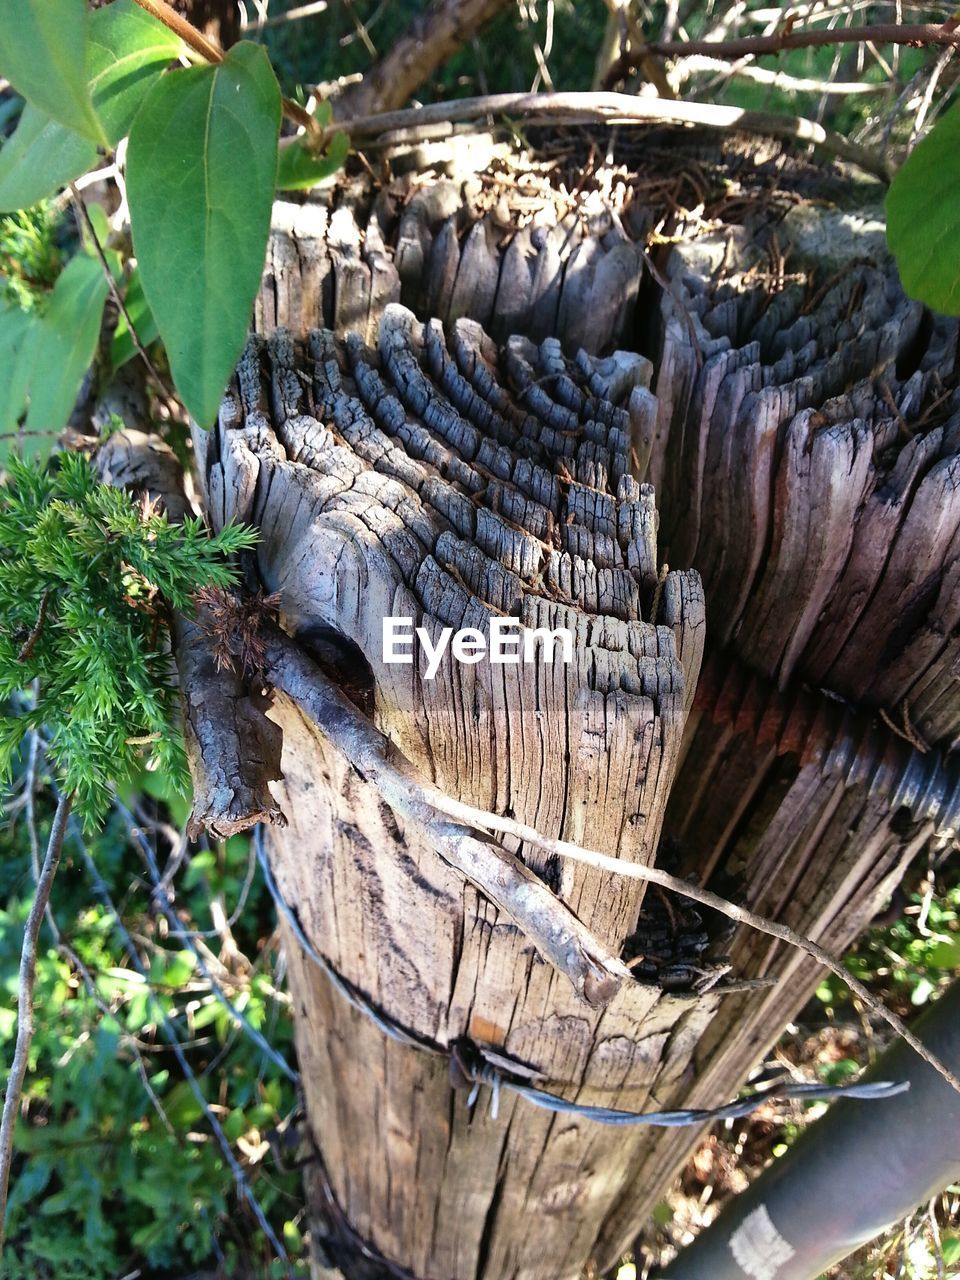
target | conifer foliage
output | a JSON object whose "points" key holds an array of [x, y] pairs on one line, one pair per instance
{"points": [[89, 577]]}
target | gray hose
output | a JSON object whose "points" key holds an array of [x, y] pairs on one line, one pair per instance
{"points": [[861, 1168]]}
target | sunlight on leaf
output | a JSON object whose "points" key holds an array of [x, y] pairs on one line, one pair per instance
{"points": [[300, 169], [923, 217], [128, 49], [201, 169], [43, 48], [40, 158]]}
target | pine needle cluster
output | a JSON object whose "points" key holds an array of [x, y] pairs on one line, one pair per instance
{"points": [[87, 580], [30, 256]]}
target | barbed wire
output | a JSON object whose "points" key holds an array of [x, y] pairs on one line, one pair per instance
{"points": [[471, 1063], [173, 1039]]}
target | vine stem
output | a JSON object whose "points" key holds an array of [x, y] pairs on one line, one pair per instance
{"points": [[918, 34], [84, 215], [207, 50], [28, 973]]}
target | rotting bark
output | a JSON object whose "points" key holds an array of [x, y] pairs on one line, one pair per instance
{"points": [[444, 479]]}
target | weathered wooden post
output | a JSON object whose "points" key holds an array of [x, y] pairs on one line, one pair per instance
{"points": [[804, 447]]}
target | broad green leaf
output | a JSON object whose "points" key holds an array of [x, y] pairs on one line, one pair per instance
{"points": [[946, 954], [64, 343], [40, 158], [123, 347], [43, 53], [127, 50], [15, 330], [299, 169], [201, 168], [923, 217]]}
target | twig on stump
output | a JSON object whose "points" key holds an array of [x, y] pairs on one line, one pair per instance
{"points": [[603, 108], [395, 778], [28, 973], [501, 876]]}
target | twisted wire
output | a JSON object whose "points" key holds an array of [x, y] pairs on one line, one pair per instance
{"points": [[470, 1066]]}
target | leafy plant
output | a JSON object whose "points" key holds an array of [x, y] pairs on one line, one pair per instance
{"points": [[923, 217], [203, 163], [188, 193], [30, 257], [131, 1174], [88, 578]]}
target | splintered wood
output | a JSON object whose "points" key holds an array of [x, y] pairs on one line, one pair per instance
{"points": [[802, 437], [413, 480]]}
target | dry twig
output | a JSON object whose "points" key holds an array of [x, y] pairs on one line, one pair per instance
{"points": [[28, 973], [603, 108], [916, 34], [379, 763]]}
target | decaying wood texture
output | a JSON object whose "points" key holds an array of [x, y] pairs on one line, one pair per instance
{"points": [[482, 450], [435, 494]]}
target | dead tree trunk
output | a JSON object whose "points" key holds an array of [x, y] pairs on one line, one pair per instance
{"points": [[803, 438]]}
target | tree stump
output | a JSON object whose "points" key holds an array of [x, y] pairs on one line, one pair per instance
{"points": [[481, 452]]}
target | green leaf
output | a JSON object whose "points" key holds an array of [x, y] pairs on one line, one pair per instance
{"points": [[923, 217], [123, 347], [15, 336], [43, 53], [201, 168], [945, 955], [40, 158], [300, 169], [128, 49], [64, 343]]}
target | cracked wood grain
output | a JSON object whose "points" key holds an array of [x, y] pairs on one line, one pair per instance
{"points": [[409, 478]]}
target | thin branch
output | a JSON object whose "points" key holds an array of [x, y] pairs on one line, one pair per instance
{"points": [[64, 948], [28, 973], [604, 108], [240, 1179], [916, 34], [207, 50], [700, 63], [164, 897], [395, 778], [291, 15], [742, 915], [565, 941], [432, 37], [84, 214]]}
